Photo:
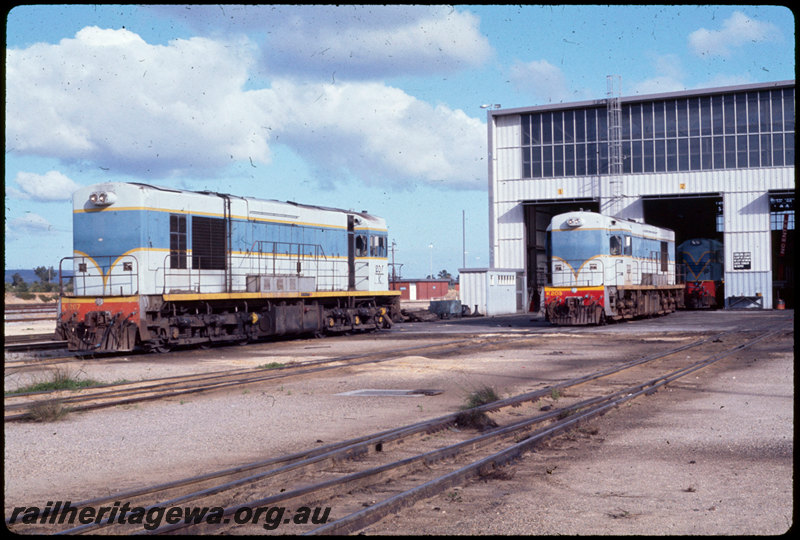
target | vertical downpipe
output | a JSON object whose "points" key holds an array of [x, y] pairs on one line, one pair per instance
{"points": [[351, 253]]}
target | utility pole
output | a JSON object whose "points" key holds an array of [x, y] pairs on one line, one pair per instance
{"points": [[463, 240]]}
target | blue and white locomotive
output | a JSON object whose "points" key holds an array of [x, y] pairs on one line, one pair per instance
{"points": [[604, 268], [156, 267], [703, 263]]}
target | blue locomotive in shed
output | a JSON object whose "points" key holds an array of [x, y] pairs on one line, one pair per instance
{"points": [[156, 267], [703, 264], [604, 268]]}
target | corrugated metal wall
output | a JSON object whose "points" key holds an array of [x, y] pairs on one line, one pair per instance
{"points": [[748, 255], [491, 291], [472, 288], [745, 194]]}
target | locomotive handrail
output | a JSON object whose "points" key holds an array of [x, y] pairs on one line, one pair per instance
{"points": [[680, 273], [279, 263], [586, 276], [274, 252], [643, 272], [106, 288]]}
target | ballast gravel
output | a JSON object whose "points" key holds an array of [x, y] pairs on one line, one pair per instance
{"points": [[711, 454]]}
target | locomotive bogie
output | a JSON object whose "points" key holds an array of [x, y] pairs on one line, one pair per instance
{"points": [[155, 268]]}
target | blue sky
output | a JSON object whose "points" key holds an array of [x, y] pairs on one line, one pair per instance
{"points": [[360, 107]]}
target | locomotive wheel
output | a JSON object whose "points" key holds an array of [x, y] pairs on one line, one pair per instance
{"points": [[159, 347], [159, 344]]}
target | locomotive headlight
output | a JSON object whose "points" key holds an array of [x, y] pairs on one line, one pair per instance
{"points": [[574, 222], [102, 198]]}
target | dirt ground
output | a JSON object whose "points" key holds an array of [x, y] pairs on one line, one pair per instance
{"points": [[709, 456], [712, 454]]}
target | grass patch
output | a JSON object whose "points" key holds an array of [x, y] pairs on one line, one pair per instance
{"points": [[271, 365], [60, 379], [471, 418]]}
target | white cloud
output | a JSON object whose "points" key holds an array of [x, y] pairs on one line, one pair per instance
{"points": [[354, 42], [29, 222], [541, 79], [380, 134], [669, 77], [737, 30], [108, 96], [51, 186]]}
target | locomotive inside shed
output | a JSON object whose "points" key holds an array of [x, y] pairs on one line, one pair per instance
{"points": [[693, 216], [701, 216]]}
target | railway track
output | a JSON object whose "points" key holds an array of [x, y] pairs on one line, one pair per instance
{"points": [[17, 405], [29, 312], [365, 479], [33, 342]]}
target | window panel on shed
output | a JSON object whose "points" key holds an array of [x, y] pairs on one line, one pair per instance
{"points": [[558, 127], [788, 110], [658, 120]]}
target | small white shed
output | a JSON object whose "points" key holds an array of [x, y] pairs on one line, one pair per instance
{"points": [[492, 291]]}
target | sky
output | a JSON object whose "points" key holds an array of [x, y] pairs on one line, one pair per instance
{"points": [[375, 108]]}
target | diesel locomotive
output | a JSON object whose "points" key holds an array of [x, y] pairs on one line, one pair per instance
{"points": [[703, 263], [604, 268], [154, 268]]}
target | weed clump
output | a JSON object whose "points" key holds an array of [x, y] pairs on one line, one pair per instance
{"points": [[48, 410], [469, 417]]}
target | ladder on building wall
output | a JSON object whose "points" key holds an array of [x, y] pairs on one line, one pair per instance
{"points": [[613, 203]]}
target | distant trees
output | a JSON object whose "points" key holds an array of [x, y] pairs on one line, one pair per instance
{"points": [[443, 274], [45, 274], [47, 282], [17, 283]]}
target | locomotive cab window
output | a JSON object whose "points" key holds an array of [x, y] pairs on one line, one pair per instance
{"points": [[177, 241], [377, 246], [361, 245], [615, 245], [628, 248]]}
